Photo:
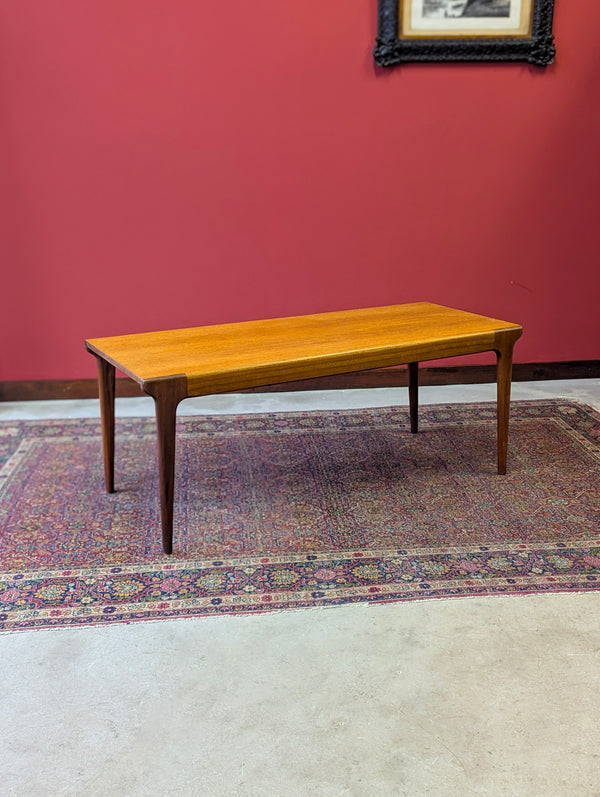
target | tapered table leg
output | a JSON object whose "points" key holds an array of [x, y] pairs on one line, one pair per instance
{"points": [[413, 396], [106, 392], [167, 393], [504, 353]]}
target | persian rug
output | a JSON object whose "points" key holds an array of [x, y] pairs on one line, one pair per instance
{"points": [[288, 510]]}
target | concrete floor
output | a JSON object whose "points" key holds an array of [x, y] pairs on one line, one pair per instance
{"points": [[481, 696]]}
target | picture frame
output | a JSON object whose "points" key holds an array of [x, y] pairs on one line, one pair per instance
{"points": [[464, 30]]}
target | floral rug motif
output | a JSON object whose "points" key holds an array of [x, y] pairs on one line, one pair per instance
{"points": [[289, 510]]}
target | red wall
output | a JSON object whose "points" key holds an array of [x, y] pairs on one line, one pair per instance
{"points": [[175, 162]]}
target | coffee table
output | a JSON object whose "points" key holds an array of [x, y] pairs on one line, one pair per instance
{"points": [[180, 363]]}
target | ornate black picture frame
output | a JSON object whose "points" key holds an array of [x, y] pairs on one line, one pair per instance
{"points": [[465, 30]]}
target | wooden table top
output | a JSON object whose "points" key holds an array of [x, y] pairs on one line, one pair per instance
{"points": [[225, 357]]}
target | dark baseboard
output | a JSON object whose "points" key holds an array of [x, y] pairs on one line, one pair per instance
{"points": [[44, 390]]}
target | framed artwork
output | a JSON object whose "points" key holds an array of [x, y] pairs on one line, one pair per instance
{"points": [[465, 30]]}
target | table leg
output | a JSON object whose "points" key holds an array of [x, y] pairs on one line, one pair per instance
{"points": [[167, 393], [413, 396], [106, 393], [504, 353]]}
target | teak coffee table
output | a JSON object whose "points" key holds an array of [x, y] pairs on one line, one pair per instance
{"points": [[181, 363]]}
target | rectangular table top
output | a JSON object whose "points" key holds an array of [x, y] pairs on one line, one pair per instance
{"points": [[224, 357]]}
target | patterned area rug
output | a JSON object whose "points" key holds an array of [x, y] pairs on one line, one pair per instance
{"points": [[289, 510]]}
